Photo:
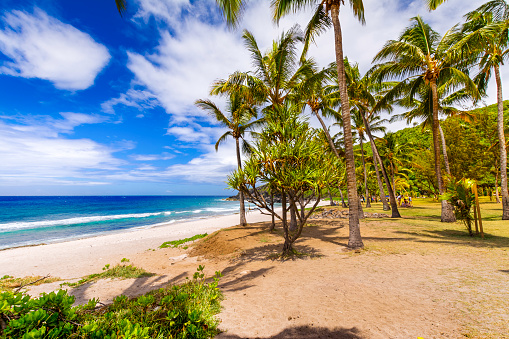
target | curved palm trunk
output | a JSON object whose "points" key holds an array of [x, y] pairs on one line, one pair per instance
{"points": [[496, 183], [444, 149], [241, 194], [327, 135], [392, 198], [447, 214], [354, 239], [343, 203], [503, 151], [378, 179], [330, 196], [368, 202]]}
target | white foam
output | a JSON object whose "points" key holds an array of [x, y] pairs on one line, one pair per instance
{"points": [[71, 221]]}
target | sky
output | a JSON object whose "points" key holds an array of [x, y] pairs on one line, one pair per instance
{"points": [[92, 103]]}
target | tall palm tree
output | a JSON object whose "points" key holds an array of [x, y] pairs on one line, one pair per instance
{"points": [[238, 119], [486, 36], [421, 56]]}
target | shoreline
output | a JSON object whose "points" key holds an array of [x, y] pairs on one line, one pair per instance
{"points": [[69, 259]]}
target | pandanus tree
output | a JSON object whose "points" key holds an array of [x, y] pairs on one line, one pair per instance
{"points": [[238, 118], [287, 157], [486, 37], [422, 56]]}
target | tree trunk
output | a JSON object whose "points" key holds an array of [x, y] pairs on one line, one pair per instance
{"points": [[287, 246], [243, 221], [273, 224], [368, 202], [392, 198], [354, 238], [343, 203], [330, 196], [447, 214], [496, 184], [503, 151], [379, 180], [393, 179], [293, 219], [444, 150]]}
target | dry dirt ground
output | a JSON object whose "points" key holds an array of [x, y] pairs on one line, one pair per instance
{"points": [[407, 283]]}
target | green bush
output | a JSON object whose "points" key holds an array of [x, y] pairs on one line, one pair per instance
{"points": [[180, 311]]}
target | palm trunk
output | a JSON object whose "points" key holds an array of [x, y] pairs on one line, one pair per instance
{"points": [[447, 214], [327, 135], [503, 151], [330, 196], [354, 238], [444, 150], [379, 180], [368, 202], [241, 194], [496, 183], [343, 203], [393, 179], [392, 198]]}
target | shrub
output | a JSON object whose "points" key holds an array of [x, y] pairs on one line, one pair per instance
{"points": [[180, 311]]}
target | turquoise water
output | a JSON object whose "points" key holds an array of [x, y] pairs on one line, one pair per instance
{"points": [[36, 220]]}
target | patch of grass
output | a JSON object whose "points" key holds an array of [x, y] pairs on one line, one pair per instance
{"points": [[119, 271], [176, 243], [8, 283]]}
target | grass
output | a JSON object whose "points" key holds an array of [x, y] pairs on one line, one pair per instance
{"points": [[8, 283], [118, 271], [176, 243]]}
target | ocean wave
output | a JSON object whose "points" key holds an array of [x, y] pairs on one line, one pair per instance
{"points": [[17, 225]]}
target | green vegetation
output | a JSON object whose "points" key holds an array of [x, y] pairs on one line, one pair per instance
{"points": [[118, 271], [181, 311], [8, 283], [176, 243]]}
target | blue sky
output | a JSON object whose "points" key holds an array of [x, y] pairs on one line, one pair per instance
{"points": [[92, 103]]}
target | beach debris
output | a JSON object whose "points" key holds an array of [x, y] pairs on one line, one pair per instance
{"points": [[332, 213], [179, 257]]}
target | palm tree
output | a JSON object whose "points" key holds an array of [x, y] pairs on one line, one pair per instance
{"points": [[487, 38], [421, 56], [238, 120], [421, 107], [276, 72], [365, 95], [359, 127]]}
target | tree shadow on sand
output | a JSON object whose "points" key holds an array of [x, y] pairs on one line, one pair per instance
{"points": [[306, 332], [455, 237]]}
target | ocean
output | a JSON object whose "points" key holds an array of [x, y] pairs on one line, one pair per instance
{"points": [[37, 220]]}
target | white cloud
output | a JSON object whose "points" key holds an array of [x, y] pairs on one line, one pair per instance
{"points": [[40, 46], [140, 99], [36, 152], [211, 167]]}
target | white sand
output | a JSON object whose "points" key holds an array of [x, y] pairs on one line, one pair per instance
{"points": [[77, 258]]}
